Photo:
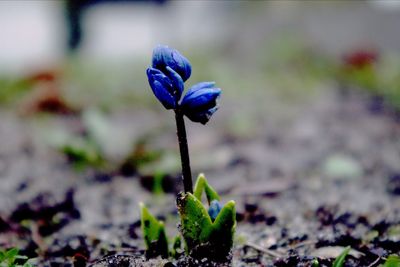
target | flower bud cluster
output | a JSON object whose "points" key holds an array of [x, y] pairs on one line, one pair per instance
{"points": [[166, 77]]}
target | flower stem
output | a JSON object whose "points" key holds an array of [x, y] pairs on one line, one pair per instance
{"points": [[184, 150]]}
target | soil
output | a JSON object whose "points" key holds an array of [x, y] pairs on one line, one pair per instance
{"points": [[305, 189]]}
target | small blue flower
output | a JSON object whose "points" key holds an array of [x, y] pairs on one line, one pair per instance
{"points": [[167, 75], [167, 89], [214, 209], [164, 57], [200, 102]]}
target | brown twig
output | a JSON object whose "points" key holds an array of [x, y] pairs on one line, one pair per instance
{"points": [[375, 262], [269, 252]]}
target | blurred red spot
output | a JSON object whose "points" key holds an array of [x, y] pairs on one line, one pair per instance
{"points": [[50, 100], [43, 76], [361, 58], [80, 256]]}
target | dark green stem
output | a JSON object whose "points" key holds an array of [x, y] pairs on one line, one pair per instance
{"points": [[184, 150]]}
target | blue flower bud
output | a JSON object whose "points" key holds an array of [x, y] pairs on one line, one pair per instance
{"points": [[167, 89], [214, 209], [200, 102], [177, 83], [164, 57]]}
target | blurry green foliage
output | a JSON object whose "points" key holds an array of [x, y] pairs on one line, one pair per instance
{"points": [[82, 153], [392, 261], [339, 261], [12, 89], [89, 148], [149, 160], [363, 77], [83, 150], [142, 155], [9, 258], [157, 186], [394, 231], [379, 78], [315, 263]]}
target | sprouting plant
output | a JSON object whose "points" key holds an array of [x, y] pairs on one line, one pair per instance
{"points": [[9, 258], [207, 232], [339, 261], [154, 234]]}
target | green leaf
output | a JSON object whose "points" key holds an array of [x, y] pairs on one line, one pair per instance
{"points": [[195, 221], [11, 255], [339, 261], [176, 250], [315, 263], [224, 228], [202, 185], [154, 234], [392, 261]]}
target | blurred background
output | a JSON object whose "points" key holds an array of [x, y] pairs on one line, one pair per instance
{"points": [[311, 93], [66, 57]]}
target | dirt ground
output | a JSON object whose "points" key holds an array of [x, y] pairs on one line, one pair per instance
{"points": [[306, 186]]}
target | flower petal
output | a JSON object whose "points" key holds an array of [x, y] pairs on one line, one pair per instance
{"points": [[183, 65], [202, 117], [163, 57], [161, 86], [198, 86], [199, 98], [200, 102], [177, 83]]}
